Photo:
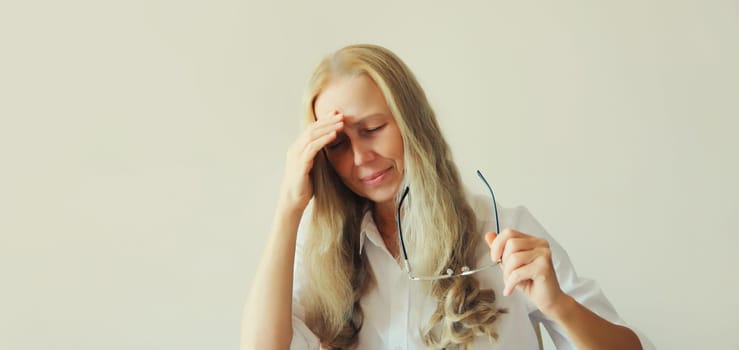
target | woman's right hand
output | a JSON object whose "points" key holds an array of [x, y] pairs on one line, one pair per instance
{"points": [[297, 189]]}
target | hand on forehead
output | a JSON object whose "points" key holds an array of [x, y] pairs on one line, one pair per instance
{"points": [[355, 97]]}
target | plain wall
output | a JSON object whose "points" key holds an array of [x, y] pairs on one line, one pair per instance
{"points": [[142, 146]]}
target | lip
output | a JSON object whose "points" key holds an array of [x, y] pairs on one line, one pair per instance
{"points": [[376, 178]]}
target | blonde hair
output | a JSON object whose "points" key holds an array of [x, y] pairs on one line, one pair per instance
{"points": [[338, 275]]}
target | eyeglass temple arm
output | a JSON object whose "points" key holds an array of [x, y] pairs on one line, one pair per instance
{"points": [[400, 230], [495, 206]]}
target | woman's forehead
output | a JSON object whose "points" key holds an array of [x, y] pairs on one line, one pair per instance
{"points": [[355, 97]]}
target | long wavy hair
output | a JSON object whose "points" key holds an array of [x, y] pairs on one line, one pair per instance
{"points": [[338, 274]]}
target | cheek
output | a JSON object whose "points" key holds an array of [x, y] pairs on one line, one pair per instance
{"points": [[342, 163], [395, 147]]}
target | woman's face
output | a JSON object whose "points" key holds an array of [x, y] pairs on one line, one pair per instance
{"points": [[368, 153]]}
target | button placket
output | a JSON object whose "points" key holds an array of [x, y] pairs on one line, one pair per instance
{"points": [[399, 313]]}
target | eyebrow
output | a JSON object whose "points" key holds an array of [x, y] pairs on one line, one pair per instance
{"points": [[370, 116], [360, 122]]}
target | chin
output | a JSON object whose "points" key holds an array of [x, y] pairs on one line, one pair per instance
{"points": [[383, 194]]}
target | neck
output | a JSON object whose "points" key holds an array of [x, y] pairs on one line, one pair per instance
{"points": [[384, 217]]}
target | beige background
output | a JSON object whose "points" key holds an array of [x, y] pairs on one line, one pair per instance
{"points": [[142, 143]]}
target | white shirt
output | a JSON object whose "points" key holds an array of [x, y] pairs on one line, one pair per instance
{"points": [[395, 308]]}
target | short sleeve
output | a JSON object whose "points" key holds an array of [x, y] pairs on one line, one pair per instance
{"points": [[584, 290]]}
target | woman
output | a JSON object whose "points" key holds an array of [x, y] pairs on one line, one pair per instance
{"points": [[339, 278]]}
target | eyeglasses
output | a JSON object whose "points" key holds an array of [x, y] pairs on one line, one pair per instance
{"points": [[465, 270]]}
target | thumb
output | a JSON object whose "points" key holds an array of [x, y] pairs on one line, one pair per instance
{"points": [[490, 237]]}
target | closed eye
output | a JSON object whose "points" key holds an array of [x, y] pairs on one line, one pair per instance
{"points": [[371, 130]]}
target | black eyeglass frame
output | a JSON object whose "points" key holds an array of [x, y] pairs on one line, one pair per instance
{"points": [[464, 271]]}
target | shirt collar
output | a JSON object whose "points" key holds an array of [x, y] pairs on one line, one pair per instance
{"points": [[368, 230]]}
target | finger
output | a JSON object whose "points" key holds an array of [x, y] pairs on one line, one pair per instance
{"points": [[316, 145], [523, 275], [318, 123], [517, 260], [314, 133], [332, 114], [498, 245], [518, 244], [490, 237], [324, 126]]}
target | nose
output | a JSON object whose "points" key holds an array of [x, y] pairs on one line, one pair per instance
{"points": [[362, 153]]}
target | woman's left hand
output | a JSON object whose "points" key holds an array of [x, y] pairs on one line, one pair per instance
{"points": [[527, 266]]}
